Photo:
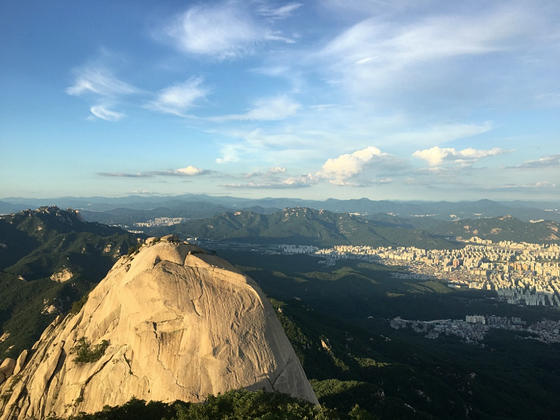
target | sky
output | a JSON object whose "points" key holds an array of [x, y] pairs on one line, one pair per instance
{"points": [[388, 100]]}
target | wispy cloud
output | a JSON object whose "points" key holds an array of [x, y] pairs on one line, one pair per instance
{"points": [[272, 171], [101, 111], [125, 175], [302, 181], [188, 171], [267, 109], [438, 134], [436, 155], [546, 162], [100, 83], [179, 98], [532, 188], [278, 12], [224, 31], [386, 59]]}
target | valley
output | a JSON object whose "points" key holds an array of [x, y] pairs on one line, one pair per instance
{"points": [[401, 330]]}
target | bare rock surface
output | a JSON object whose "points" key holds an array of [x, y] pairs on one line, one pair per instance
{"points": [[63, 275], [174, 323], [20, 362]]}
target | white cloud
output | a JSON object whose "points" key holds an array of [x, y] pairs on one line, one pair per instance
{"points": [[437, 155], [125, 175], [101, 82], [441, 133], [533, 188], [545, 184], [102, 112], [188, 171], [267, 109], [222, 31], [420, 54], [281, 12], [177, 99], [191, 171], [552, 161], [340, 170], [271, 172], [225, 30], [302, 181]]}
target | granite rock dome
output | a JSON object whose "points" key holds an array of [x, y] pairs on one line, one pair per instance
{"points": [[171, 322]]}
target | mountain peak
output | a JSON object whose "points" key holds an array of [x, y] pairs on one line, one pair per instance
{"points": [[168, 322]]}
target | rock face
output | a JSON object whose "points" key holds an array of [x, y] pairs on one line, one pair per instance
{"points": [[171, 322]]}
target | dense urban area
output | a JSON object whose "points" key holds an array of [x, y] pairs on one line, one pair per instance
{"points": [[474, 328], [519, 273]]}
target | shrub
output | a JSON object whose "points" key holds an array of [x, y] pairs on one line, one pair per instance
{"points": [[85, 353], [78, 305]]}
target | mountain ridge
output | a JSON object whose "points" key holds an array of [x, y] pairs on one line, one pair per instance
{"points": [[50, 258], [444, 210], [303, 226]]}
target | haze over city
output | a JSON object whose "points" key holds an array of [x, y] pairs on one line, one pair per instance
{"points": [[407, 100]]}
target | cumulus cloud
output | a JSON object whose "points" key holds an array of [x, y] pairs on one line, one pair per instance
{"points": [[192, 171], [188, 171], [178, 98], [268, 109], [339, 171], [437, 155]]}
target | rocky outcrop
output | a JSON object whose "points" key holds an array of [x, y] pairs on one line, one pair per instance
{"points": [[63, 275], [170, 322]]}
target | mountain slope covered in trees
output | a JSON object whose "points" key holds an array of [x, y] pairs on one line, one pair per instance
{"points": [[49, 258], [305, 226]]}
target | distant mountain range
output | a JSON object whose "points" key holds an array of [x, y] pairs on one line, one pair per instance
{"points": [[505, 228], [50, 258], [122, 210], [306, 226]]}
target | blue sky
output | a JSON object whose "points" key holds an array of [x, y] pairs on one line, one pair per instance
{"points": [[409, 99]]}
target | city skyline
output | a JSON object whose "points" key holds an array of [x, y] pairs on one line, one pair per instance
{"points": [[399, 100]]}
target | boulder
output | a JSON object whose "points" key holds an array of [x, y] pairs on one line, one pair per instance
{"points": [[7, 367], [20, 362]]}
